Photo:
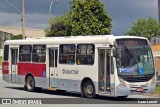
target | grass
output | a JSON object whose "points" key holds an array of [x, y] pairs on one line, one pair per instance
{"points": [[157, 90], [0, 60]]}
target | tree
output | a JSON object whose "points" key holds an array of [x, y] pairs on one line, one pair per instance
{"points": [[145, 27], [59, 26], [85, 17], [89, 17], [20, 36]]}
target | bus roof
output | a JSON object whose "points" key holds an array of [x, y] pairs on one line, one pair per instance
{"points": [[70, 39]]}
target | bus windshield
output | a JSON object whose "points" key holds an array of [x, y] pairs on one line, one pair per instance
{"points": [[134, 60]]}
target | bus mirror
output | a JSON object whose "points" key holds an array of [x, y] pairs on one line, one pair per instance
{"points": [[114, 52]]}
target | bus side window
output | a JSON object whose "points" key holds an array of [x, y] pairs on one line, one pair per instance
{"points": [[67, 54], [39, 53], [85, 54], [25, 53], [6, 53]]}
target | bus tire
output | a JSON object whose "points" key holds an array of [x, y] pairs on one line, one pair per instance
{"points": [[122, 97], [30, 84], [89, 89], [25, 88], [38, 89]]}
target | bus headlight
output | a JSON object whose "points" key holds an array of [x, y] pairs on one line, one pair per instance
{"points": [[153, 80], [122, 82]]}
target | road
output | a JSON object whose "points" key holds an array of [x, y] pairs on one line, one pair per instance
{"points": [[60, 98]]}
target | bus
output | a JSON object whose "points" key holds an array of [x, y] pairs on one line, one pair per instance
{"points": [[105, 65]]}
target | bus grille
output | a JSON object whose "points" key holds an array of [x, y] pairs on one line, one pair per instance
{"points": [[138, 79]]}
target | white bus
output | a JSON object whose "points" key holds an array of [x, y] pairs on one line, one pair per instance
{"points": [[91, 65]]}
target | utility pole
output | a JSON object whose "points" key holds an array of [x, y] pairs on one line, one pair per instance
{"points": [[23, 20]]}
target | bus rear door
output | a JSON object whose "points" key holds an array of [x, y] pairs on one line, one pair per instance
{"points": [[53, 71], [14, 57]]}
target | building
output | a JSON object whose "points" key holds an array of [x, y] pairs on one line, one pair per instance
{"points": [[29, 32], [3, 37]]}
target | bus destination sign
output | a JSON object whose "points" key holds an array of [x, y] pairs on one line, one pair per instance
{"points": [[131, 42]]}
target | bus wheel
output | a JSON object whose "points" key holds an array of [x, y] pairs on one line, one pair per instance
{"points": [[25, 88], [30, 84], [89, 89]]}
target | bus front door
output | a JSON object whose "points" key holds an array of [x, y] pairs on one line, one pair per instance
{"points": [[104, 57], [14, 56], [53, 71]]}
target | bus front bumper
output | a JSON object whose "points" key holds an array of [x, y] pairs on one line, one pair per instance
{"points": [[125, 91]]}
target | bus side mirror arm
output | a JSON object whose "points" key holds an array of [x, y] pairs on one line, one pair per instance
{"points": [[114, 52]]}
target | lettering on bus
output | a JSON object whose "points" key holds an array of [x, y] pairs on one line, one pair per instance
{"points": [[5, 67], [131, 42], [65, 71]]}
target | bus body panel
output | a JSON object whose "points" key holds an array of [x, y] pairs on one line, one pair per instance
{"points": [[37, 70], [5, 71]]}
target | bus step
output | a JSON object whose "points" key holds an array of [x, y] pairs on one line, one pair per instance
{"points": [[51, 88]]}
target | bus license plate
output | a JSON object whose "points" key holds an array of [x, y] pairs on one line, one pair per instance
{"points": [[139, 89]]}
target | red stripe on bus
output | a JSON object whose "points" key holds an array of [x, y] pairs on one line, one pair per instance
{"points": [[38, 70], [5, 67]]}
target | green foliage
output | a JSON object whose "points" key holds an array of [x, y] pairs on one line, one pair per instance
{"points": [[145, 27], [59, 26], [90, 17], [20, 36], [85, 17], [157, 89]]}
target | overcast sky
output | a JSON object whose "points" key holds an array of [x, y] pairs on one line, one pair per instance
{"points": [[122, 12]]}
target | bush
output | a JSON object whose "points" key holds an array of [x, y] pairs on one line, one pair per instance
{"points": [[158, 89]]}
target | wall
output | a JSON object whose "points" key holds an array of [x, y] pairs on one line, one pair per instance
{"points": [[156, 54]]}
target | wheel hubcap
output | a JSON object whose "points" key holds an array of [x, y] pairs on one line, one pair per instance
{"points": [[89, 89], [30, 84]]}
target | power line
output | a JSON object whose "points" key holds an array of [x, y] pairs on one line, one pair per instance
{"points": [[13, 6]]}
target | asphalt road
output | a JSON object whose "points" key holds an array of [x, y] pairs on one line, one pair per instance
{"points": [[61, 98]]}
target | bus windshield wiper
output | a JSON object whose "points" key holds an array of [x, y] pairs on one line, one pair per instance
{"points": [[128, 52], [132, 56]]}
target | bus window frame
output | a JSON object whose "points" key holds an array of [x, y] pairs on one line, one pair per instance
{"points": [[92, 55], [6, 57], [31, 47], [69, 54], [45, 48]]}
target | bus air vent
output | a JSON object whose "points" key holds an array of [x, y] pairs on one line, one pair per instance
{"points": [[138, 79]]}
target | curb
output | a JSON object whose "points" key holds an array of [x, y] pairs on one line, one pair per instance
{"points": [[153, 95]]}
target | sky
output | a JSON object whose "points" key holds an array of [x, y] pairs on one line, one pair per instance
{"points": [[122, 12]]}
